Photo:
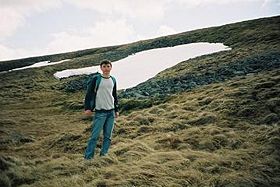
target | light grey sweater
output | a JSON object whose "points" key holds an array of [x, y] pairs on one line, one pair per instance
{"points": [[104, 96]]}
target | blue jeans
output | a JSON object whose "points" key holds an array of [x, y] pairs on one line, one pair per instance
{"points": [[102, 120]]}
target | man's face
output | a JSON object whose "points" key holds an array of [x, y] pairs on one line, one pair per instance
{"points": [[106, 68]]}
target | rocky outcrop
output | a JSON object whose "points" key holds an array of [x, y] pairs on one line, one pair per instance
{"points": [[159, 87]]}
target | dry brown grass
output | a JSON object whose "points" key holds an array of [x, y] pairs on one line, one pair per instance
{"points": [[197, 138]]}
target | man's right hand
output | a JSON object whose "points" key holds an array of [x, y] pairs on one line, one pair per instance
{"points": [[88, 112]]}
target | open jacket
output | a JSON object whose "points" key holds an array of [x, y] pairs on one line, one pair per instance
{"points": [[92, 90]]}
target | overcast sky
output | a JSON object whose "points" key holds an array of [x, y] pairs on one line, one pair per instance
{"points": [[39, 27]]}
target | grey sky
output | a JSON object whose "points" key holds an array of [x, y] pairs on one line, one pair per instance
{"points": [[38, 27]]}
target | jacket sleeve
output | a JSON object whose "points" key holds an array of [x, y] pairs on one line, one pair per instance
{"points": [[90, 94], [116, 102]]}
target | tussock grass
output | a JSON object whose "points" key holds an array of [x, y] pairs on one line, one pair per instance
{"points": [[194, 139], [189, 140]]}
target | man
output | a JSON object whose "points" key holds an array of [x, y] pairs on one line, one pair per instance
{"points": [[101, 97]]}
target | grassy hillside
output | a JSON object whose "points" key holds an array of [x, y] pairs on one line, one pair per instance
{"points": [[208, 121]]}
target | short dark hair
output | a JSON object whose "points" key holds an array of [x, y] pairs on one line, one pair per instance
{"points": [[105, 62]]}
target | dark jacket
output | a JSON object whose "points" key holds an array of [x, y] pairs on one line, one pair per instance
{"points": [[91, 94]]}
